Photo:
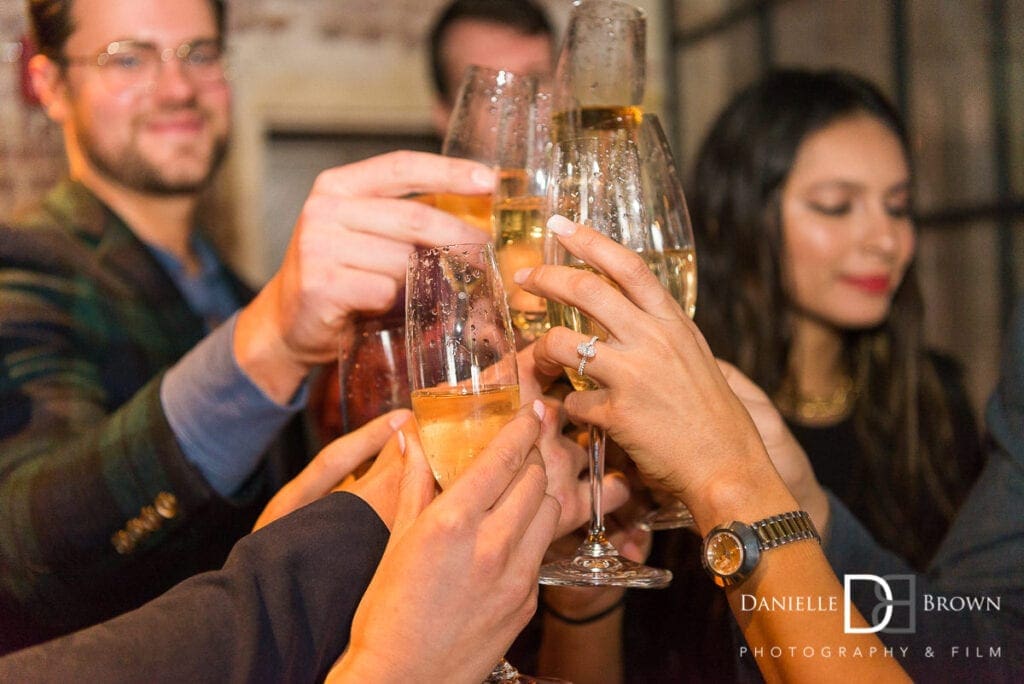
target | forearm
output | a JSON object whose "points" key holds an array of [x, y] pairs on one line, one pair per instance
{"points": [[600, 639], [263, 354], [792, 603], [222, 419]]}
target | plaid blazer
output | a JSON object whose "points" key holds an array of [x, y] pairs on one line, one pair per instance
{"points": [[99, 509]]}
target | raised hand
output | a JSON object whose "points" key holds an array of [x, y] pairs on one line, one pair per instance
{"points": [[654, 357], [336, 461], [451, 617], [348, 255]]}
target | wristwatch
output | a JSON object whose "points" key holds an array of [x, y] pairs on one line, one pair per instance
{"points": [[731, 552]]}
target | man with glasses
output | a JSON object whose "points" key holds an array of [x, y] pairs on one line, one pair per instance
{"points": [[144, 418]]}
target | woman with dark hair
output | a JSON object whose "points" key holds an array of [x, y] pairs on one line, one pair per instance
{"points": [[801, 208]]}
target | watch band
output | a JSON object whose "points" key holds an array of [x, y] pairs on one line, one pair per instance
{"points": [[784, 528], [731, 552]]}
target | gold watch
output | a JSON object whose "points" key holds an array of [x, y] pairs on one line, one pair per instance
{"points": [[731, 552]]}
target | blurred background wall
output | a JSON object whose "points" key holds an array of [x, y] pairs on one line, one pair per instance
{"points": [[324, 82]]}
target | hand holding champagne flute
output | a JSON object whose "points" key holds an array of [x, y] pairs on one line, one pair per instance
{"points": [[462, 363], [597, 181]]}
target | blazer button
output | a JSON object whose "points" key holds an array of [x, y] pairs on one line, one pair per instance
{"points": [[150, 519], [136, 529], [122, 542], [166, 504]]}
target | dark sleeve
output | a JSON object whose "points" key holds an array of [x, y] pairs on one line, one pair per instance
{"points": [[280, 610], [965, 431], [850, 548], [981, 559]]}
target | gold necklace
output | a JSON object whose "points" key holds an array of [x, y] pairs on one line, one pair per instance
{"points": [[815, 409]]}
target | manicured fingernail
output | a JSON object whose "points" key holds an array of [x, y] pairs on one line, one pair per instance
{"points": [[539, 408], [559, 225], [483, 177], [401, 441], [521, 275]]}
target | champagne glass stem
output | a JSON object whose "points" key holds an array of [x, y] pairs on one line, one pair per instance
{"points": [[597, 562], [596, 544], [596, 537]]}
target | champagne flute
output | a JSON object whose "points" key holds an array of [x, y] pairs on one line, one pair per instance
{"points": [[596, 181], [485, 98], [461, 355], [672, 234], [369, 379], [372, 374], [601, 71], [524, 145], [462, 363]]}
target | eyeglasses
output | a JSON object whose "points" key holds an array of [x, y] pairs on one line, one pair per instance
{"points": [[131, 65]]}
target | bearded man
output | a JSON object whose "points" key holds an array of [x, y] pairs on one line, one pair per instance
{"points": [[145, 418]]}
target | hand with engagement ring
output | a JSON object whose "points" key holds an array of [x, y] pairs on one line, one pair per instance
{"points": [[587, 351], [653, 363]]}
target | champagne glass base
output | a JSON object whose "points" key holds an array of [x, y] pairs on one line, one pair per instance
{"points": [[600, 571], [670, 517]]}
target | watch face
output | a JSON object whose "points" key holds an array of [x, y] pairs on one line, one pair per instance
{"points": [[724, 553]]}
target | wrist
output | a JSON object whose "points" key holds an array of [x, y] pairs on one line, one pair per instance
{"points": [[591, 618], [742, 495], [575, 612], [264, 356]]}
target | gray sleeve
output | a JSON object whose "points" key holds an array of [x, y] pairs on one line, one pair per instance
{"points": [[222, 420]]}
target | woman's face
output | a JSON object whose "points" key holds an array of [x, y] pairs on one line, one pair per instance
{"points": [[846, 225]]}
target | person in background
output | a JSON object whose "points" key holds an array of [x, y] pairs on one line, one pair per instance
{"points": [[663, 398], [802, 213], [149, 402], [515, 35], [801, 208]]}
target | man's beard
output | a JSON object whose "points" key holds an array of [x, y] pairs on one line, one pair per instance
{"points": [[129, 168]]}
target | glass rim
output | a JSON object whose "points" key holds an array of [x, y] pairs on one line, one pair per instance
{"points": [[437, 249], [619, 11]]}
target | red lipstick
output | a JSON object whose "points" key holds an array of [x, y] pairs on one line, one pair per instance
{"points": [[875, 285]]}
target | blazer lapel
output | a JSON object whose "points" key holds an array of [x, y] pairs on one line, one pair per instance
{"points": [[118, 252]]}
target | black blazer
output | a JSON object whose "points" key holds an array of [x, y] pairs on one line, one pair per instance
{"points": [[280, 610]]}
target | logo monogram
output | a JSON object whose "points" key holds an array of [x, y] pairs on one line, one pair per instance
{"points": [[885, 602]]}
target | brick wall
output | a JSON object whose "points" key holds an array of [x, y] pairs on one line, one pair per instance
{"points": [[31, 152]]}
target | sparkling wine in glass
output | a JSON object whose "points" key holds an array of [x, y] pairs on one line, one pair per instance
{"points": [[596, 181], [601, 71], [672, 235], [524, 146], [462, 363], [485, 98]]}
